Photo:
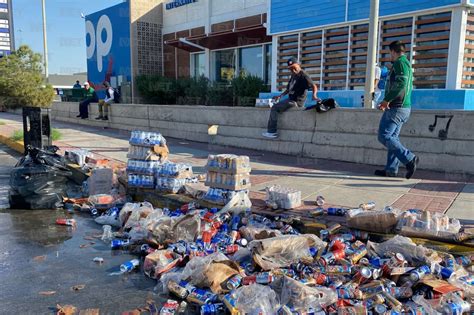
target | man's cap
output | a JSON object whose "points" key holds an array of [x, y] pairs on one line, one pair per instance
{"points": [[292, 61], [86, 83]]}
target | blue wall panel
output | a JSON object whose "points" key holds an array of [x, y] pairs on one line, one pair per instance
{"points": [[289, 15], [421, 99], [108, 44]]}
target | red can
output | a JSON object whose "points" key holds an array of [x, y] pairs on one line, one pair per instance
{"points": [[339, 254], [337, 245], [249, 280], [216, 224], [64, 221], [320, 278], [231, 249], [206, 237]]}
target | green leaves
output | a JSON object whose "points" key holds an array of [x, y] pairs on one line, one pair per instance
{"points": [[21, 80]]}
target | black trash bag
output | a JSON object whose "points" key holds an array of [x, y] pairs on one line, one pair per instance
{"points": [[324, 105], [39, 180]]}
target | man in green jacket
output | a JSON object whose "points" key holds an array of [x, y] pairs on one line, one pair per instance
{"points": [[396, 106], [90, 96]]}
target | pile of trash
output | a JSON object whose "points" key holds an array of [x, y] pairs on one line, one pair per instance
{"points": [[231, 261]]}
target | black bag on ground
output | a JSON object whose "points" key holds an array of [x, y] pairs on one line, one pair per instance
{"points": [[38, 181], [324, 105]]}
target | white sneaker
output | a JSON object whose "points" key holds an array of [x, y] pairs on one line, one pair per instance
{"points": [[271, 135]]}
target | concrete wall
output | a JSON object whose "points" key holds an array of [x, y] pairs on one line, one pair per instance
{"points": [[343, 134]]}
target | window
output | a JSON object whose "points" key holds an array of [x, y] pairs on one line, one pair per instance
{"points": [[251, 61], [224, 61], [268, 64], [198, 64]]}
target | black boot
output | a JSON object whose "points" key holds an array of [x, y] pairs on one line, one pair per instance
{"points": [[99, 117], [411, 167], [105, 118], [384, 173]]}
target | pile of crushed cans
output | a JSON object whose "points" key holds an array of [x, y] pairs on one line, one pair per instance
{"points": [[244, 263]]}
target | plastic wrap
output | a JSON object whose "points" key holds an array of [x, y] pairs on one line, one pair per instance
{"points": [[414, 254], [146, 138], [240, 202], [100, 181], [374, 221], [282, 197], [301, 297], [282, 251], [427, 223], [107, 233], [172, 185], [160, 262], [131, 213], [258, 233], [256, 299], [173, 229], [195, 269]]}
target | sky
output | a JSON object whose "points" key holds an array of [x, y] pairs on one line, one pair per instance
{"points": [[65, 30]]}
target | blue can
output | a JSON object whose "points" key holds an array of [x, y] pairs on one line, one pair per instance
{"points": [[446, 272], [117, 243], [463, 260], [212, 309], [337, 211], [324, 235], [235, 223], [234, 282], [419, 273], [380, 309]]}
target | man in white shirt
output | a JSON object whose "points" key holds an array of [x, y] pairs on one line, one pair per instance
{"points": [[377, 91], [106, 102]]}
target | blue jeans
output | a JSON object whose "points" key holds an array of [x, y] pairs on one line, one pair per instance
{"points": [[389, 130]]}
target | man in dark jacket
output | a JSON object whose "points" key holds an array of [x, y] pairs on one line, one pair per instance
{"points": [[397, 106], [296, 89]]}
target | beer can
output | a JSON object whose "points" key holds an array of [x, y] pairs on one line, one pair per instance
{"points": [[320, 201], [317, 212], [367, 206], [264, 278], [363, 275], [380, 309], [177, 290], [234, 282], [324, 235], [321, 279], [336, 211], [419, 273]]}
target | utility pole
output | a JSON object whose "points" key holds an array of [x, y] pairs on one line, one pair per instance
{"points": [[45, 42], [371, 52]]}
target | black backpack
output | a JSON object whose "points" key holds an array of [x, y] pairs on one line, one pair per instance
{"points": [[324, 105], [116, 96]]}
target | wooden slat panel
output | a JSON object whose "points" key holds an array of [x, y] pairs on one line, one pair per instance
{"points": [[432, 29], [289, 53], [342, 48], [469, 46], [430, 65], [354, 39], [359, 46], [342, 77], [431, 47], [328, 33], [428, 82], [318, 36], [360, 30], [424, 74], [287, 40], [362, 53], [469, 37], [334, 70], [385, 59], [388, 42], [339, 55], [470, 82], [469, 64], [169, 36], [468, 73], [337, 62], [248, 21], [357, 76], [401, 33], [222, 27], [335, 41], [358, 62], [311, 51], [429, 39], [295, 46], [311, 45], [311, 58], [434, 20], [182, 34], [396, 25], [470, 27], [334, 84], [356, 83], [429, 56], [198, 31]]}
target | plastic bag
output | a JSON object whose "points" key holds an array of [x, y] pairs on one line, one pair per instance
{"points": [[160, 262], [414, 254], [282, 251], [256, 299], [38, 181], [195, 269], [107, 234], [301, 297], [172, 229], [426, 223], [240, 202], [131, 213]]}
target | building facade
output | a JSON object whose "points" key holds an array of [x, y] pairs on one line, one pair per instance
{"points": [[221, 39], [7, 40], [217, 39]]}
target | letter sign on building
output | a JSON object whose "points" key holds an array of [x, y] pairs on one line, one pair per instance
{"points": [[178, 3]]}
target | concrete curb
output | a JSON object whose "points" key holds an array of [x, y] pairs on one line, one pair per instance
{"points": [[14, 145]]}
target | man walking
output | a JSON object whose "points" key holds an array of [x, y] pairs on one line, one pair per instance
{"points": [[90, 96], [296, 89], [396, 106]]}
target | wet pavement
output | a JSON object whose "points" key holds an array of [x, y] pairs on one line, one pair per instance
{"points": [[37, 255]]}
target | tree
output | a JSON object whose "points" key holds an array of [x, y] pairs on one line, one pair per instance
{"points": [[21, 80]]}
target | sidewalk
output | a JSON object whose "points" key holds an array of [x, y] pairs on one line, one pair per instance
{"points": [[341, 184]]}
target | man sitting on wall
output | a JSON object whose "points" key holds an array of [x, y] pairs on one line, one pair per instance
{"points": [[90, 96], [106, 102], [296, 89]]}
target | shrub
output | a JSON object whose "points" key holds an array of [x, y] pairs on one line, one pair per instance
{"points": [[157, 89], [246, 89], [18, 135]]}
